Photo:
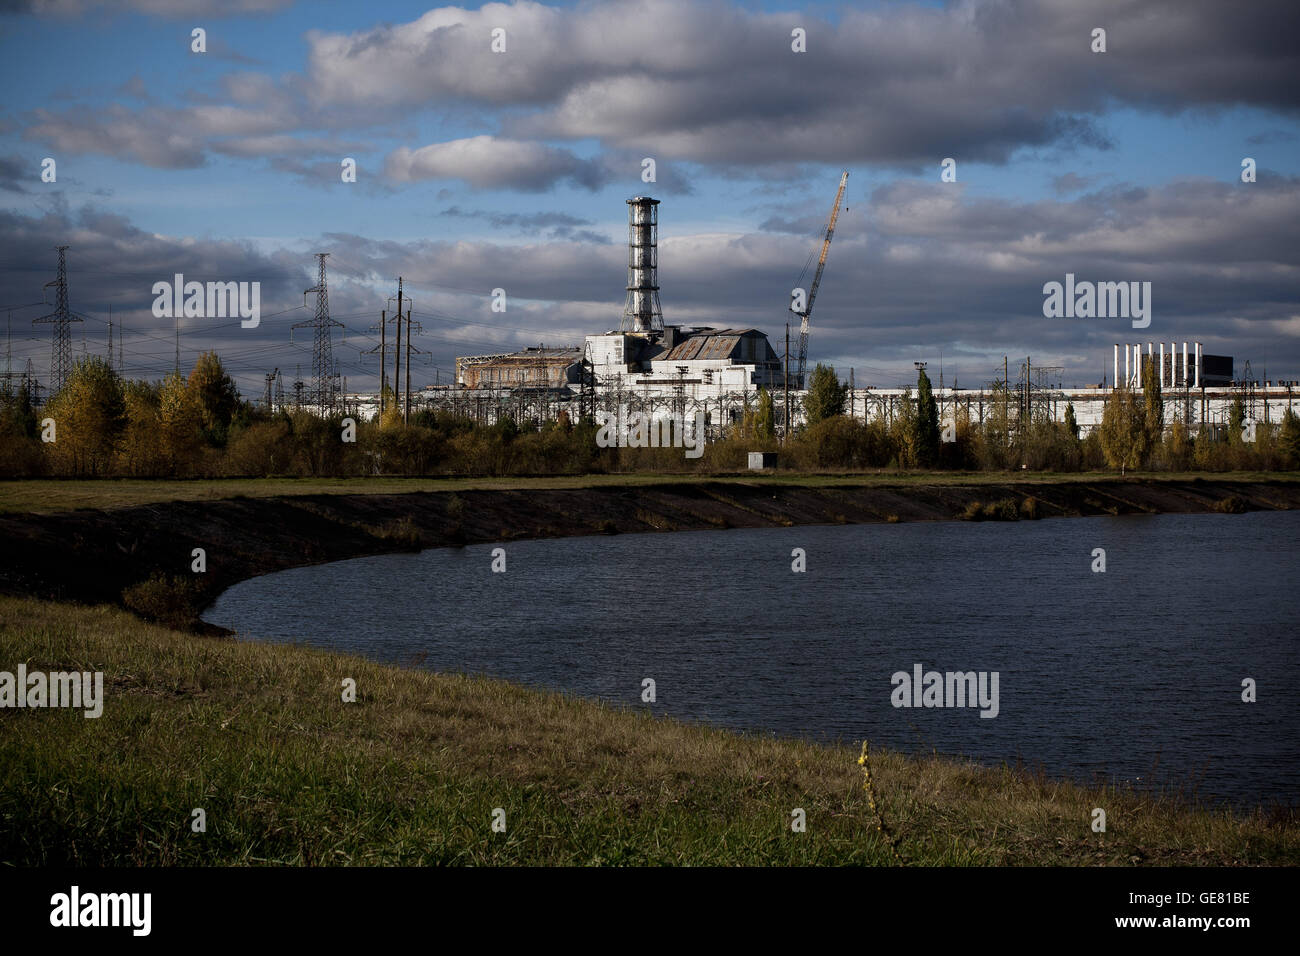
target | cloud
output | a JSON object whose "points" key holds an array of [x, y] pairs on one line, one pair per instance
{"points": [[714, 83], [13, 171], [169, 138], [1068, 183], [1272, 136], [919, 268], [118, 132], [553, 225], [486, 162]]}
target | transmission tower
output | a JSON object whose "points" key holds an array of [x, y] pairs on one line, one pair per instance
{"points": [[61, 334], [324, 386]]}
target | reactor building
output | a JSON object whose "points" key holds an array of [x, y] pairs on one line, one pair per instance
{"points": [[644, 363]]}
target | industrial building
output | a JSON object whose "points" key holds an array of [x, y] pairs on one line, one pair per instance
{"points": [[530, 368], [644, 366], [649, 367]]}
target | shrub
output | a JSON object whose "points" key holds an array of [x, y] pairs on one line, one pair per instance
{"points": [[173, 601], [1231, 505]]}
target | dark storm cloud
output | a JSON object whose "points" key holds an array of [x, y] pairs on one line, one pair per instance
{"points": [[15, 174], [917, 269]]}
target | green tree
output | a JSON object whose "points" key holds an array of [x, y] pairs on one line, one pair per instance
{"points": [[1178, 449], [20, 450], [1154, 411], [89, 412], [1288, 440], [1070, 422], [1124, 434], [926, 423], [765, 416], [902, 430], [215, 396], [826, 395], [1236, 420], [758, 423]]}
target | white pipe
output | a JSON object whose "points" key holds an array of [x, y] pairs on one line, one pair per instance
{"points": [[1184, 364], [1161, 378], [1128, 376], [1114, 379], [1197, 370], [1137, 365]]}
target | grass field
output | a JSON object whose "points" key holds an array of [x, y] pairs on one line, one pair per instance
{"points": [[44, 495], [287, 773]]}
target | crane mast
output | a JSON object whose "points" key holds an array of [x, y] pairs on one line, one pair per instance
{"points": [[817, 280]]}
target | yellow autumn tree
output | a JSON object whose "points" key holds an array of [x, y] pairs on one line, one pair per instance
{"points": [[89, 414], [180, 425], [141, 452]]}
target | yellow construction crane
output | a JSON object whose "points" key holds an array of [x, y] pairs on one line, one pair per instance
{"points": [[817, 280]]}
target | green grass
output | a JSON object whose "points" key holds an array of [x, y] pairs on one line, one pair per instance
{"points": [[45, 495], [258, 737]]}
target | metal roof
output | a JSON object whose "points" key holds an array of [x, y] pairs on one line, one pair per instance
{"points": [[703, 347]]}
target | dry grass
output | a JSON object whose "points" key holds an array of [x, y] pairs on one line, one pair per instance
{"points": [[44, 495], [258, 736]]}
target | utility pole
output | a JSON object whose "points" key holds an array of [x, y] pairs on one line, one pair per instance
{"points": [[397, 352], [110, 336], [853, 396], [411, 329], [406, 415], [786, 430], [1006, 402], [383, 359]]}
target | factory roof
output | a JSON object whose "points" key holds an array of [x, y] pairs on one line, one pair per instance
{"points": [[530, 354], [709, 345]]}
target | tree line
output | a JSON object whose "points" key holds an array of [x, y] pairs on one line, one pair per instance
{"points": [[102, 425]]}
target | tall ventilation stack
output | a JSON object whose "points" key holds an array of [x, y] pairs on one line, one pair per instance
{"points": [[642, 312]]}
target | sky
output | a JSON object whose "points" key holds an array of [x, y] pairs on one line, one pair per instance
{"points": [[480, 169]]}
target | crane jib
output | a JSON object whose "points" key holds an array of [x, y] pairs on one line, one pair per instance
{"points": [[817, 280]]}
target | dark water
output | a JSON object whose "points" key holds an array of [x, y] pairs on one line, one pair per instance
{"points": [[1134, 675]]}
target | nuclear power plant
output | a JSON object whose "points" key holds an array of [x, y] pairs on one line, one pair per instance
{"points": [[644, 366], [648, 366]]}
